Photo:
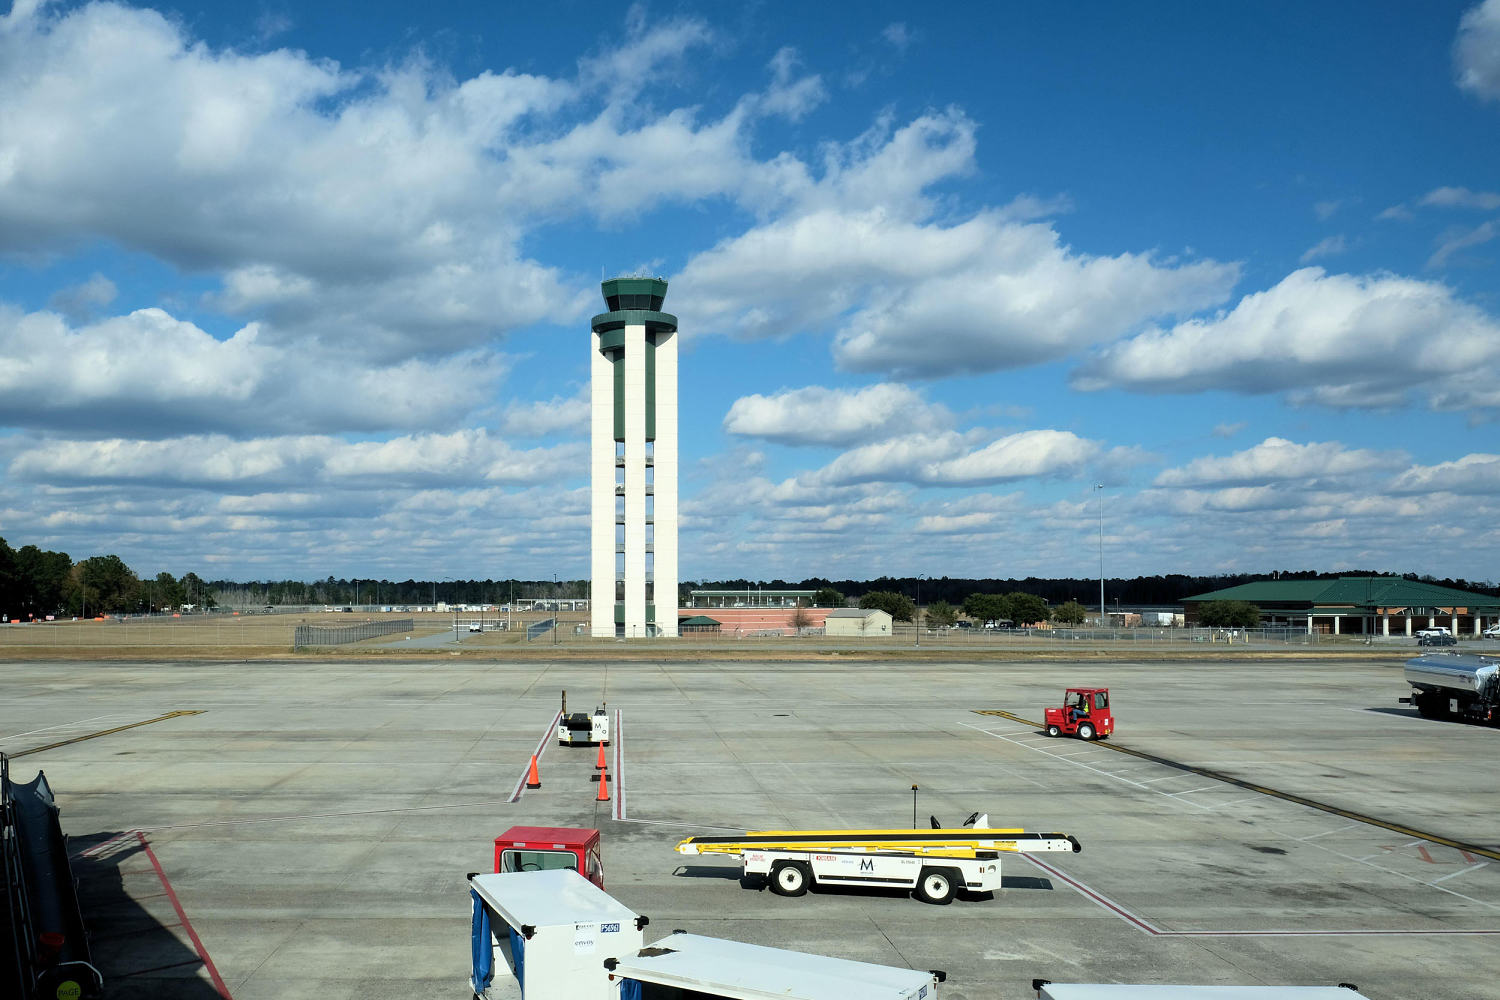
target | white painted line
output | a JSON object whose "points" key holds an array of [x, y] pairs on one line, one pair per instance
{"points": [[1191, 791], [1337, 829], [617, 808], [61, 725], [541, 748], [1461, 871]]}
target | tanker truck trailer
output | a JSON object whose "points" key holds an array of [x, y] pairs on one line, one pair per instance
{"points": [[1455, 686]]}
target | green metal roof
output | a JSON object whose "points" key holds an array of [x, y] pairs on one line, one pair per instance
{"points": [[698, 620], [1357, 591]]}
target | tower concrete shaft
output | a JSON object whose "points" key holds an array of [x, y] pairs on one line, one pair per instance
{"points": [[633, 462]]}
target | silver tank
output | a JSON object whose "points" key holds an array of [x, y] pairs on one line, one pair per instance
{"points": [[1478, 675]]}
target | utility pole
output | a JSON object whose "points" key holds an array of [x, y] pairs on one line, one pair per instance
{"points": [[1100, 488]]}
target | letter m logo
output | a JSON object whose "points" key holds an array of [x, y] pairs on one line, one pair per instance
{"points": [[866, 864]]}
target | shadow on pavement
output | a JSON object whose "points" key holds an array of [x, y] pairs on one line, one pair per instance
{"points": [[139, 943]]}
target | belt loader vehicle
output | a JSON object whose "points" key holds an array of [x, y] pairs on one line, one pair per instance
{"points": [[1455, 686], [934, 864]]}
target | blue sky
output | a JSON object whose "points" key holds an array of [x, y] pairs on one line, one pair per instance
{"points": [[291, 290]]}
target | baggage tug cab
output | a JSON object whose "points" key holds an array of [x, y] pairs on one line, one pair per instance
{"points": [[548, 848]]}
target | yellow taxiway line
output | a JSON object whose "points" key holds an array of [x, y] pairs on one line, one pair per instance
{"points": [[105, 732]]}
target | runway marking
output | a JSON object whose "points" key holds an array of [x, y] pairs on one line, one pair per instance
{"points": [[1192, 791], [208, 963], [541, 748], [1147, 927], [1337, 829], [1461, 871], [104, 732], [62, 725], [1302, 800]]}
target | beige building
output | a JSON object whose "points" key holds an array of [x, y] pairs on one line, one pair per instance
{"points": [[857, 621]]}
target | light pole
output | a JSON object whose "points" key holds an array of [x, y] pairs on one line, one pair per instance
{"points": [[1099, 487], [917, 618]]}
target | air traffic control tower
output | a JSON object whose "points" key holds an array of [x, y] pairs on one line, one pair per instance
{"points": [[633, 466]]}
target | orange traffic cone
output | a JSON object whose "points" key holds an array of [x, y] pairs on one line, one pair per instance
{"points": [[533, 777], [603, 795], [600, 765]]}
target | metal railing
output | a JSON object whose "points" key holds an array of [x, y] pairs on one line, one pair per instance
{"points": [[337, 635]]}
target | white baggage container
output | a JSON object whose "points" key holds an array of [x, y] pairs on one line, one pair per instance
{"points": [[730, 970], [1130, 991], [544, 935]]}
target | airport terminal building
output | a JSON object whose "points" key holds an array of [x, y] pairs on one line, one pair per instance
{"points": [[1360, 605]]}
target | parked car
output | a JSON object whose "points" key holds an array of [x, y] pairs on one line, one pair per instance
{"points": [[1493, 632], [1432, 631], [1441, 639]]}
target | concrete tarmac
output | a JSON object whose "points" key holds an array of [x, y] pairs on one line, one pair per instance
{"points": [[307, 835]]}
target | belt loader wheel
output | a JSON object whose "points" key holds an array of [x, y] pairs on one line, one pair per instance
{"points": [[790, 878], [1085, 731], [937, 885]]}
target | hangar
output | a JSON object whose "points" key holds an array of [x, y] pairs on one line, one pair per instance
{"points": [[1360, 605]]}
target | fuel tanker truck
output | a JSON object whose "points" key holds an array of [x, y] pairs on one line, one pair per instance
{"points": [[1455, 686]]}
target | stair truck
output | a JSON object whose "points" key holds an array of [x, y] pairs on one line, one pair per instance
{"points": [[1455, 686], [934, 864], [1048, 990], [683, 964], [542, 935]]}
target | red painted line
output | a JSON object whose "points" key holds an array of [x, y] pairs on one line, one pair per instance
{"points": [[208, 963], [618, 808], [1149, 928], [541, 748], [1425, 856]]}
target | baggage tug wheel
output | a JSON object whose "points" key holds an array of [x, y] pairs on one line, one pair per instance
{"points": [[1054, 731], [1085, 731], [789, 878]]}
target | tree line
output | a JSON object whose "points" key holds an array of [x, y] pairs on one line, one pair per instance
{"points": [[36, 582], [1167, 589]]}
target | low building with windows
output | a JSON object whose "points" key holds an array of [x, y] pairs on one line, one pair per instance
{"points": [[1359, 605], [750, 597]]}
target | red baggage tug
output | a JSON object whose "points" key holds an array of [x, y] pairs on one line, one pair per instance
{"points": [[544, 848], [1085, 714]]}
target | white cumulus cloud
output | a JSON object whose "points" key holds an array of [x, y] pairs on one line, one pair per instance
{"points": [[820, 415], [1277, 460], [1476, 50], [954, 459], [1328, 338]]}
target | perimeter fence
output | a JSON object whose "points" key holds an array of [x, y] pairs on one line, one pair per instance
{"points": [[335, 635]]}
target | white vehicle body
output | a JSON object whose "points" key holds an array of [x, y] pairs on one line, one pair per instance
{"points": [[729, 970], [871, 868], [1432, 631], [581, 728], [1130, 991], [935, 864], [559, 926]]}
